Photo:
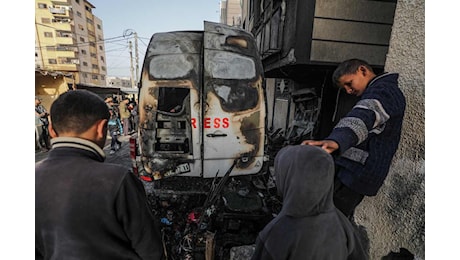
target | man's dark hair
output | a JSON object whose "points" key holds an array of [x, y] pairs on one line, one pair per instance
{"points": [[77, 110], [348, 67]]}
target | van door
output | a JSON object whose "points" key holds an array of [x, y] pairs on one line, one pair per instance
{"points": [[170, 105], [233, 111]]}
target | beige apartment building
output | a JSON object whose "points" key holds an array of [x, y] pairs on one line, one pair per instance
{"points": [[230, 12], [69, 42]]}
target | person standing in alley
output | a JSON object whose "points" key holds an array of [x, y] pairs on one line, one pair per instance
{"points": [[114, 126], [38, 134], [42, 113], [125, 114], [135, 115], [366, 139], [111, 105], [308, 226], [85, 208]]}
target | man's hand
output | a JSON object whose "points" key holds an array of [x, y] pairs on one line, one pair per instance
{"points": [[328, 145]]}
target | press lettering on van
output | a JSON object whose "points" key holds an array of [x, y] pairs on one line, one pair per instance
{"points": [[213, 123]]}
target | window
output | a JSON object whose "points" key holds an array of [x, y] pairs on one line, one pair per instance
{"points": [[95, 66], [92, 44], [48, 34], [103, 68], [93, 55], [100, 47], [78, 14], [99, 27], [52, 61], [77, 1], [82, 39], [172, 99], [46, 20], [42, 6], [81, 27], [83, 52], [102, 58], [102, 77], [85, 64], [85, 75], [66, 60], [94, 76], [66, 47], [222, 65], [57, 19], [65, 34]]}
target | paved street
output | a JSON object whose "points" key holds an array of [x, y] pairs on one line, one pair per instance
{"points": [[120, 157]]}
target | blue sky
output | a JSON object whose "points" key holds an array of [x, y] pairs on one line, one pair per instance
{"points": [[147, 17]]}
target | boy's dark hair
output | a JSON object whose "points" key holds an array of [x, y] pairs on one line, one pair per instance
{"points": [[77, 110], [348, 67]]}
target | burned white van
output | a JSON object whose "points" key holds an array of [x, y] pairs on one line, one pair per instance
{"points": [[201, 104], [201, 139]]}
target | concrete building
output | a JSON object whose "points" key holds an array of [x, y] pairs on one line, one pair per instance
{"points": [[230, 12], [124, 82], [69, 39], [301, 43]]}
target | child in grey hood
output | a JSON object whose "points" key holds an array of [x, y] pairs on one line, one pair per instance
{"points": [[308, 226]]}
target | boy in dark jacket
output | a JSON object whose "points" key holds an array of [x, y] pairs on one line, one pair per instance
{"points": [[85, 208], [366, 139], [308, 225], [115, 129]]}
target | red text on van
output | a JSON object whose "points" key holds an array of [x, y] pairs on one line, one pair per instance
{"points": [[216, 122]]}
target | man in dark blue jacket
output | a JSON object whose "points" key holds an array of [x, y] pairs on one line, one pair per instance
{"points": [[85, 208], [366, 139]]}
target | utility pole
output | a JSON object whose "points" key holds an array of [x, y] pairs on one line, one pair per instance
{"points": [[137, 59], [131, 62]]}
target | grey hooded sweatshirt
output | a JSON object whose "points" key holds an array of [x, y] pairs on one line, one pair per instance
{"points": [[308, 225]]}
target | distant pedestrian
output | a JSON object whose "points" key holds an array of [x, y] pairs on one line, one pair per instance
{"points": [[308, 226], [134, 115], [124, 115], [366, 139], [114, 126], [85, 208], [38, 134], [42, 114], [111, 104]]}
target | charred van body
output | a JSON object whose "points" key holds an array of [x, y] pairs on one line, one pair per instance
{"points": [[201, 142]]}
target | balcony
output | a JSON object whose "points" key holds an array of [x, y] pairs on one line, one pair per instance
{"points": [[61, 20], [57, 10]]}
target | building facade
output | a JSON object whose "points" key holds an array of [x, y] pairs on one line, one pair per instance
{"points": [[69, 39], [123, 82], [301, 43], [230, 12]]}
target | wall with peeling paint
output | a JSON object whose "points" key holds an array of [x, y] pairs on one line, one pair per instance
{"points": [[396, 216]]}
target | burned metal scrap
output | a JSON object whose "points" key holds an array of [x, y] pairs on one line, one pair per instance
{"points": [[220, 214]]}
